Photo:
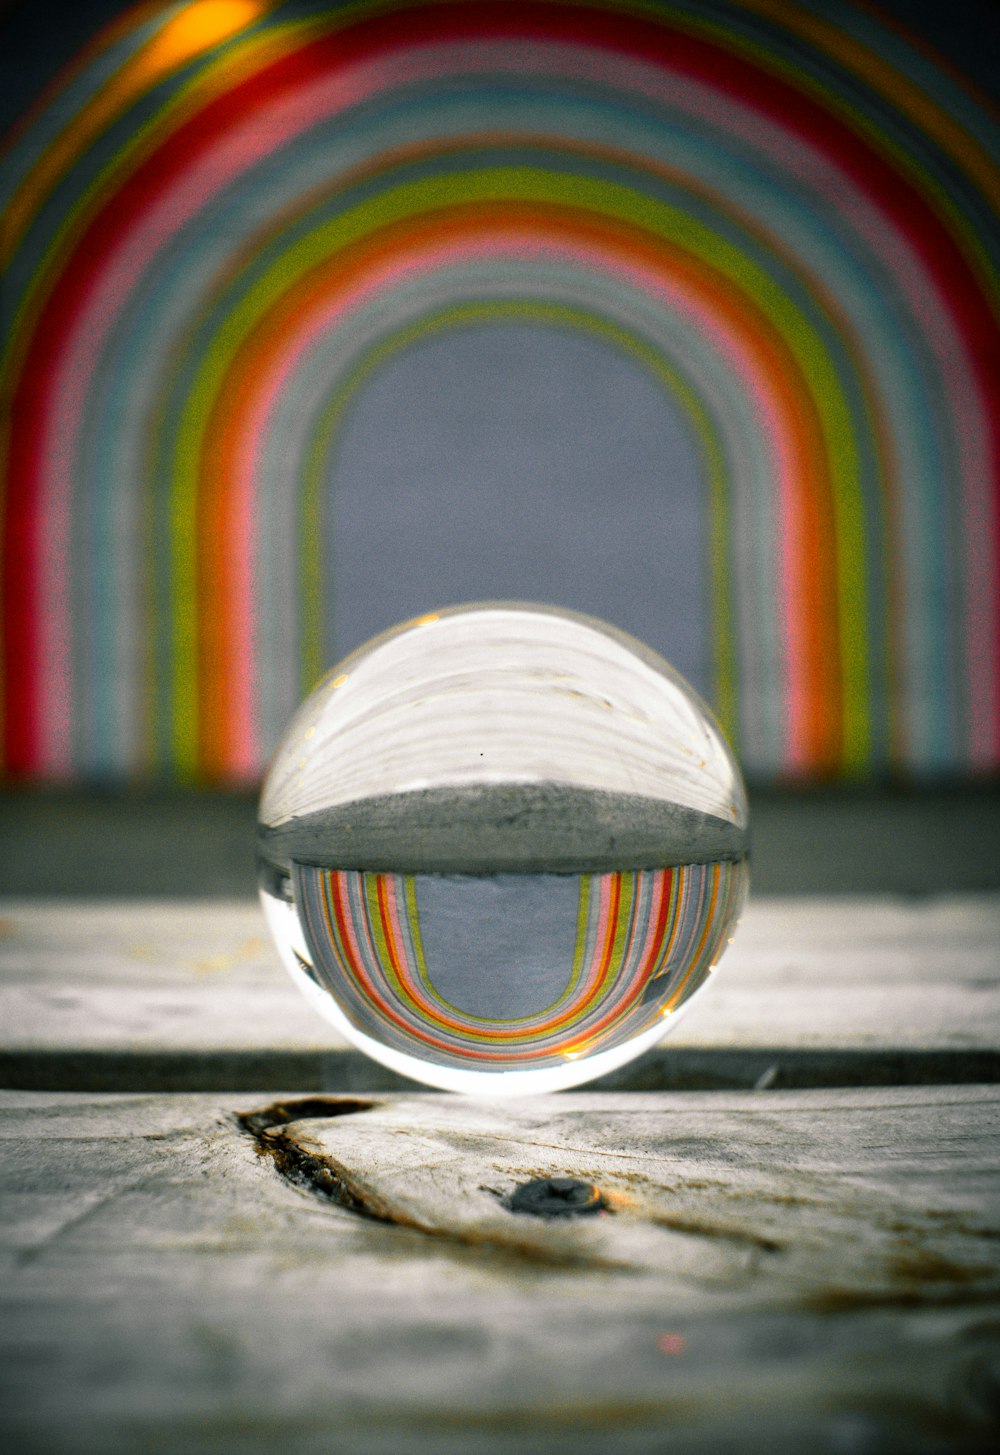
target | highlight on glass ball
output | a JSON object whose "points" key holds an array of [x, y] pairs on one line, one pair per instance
{"points": [[501, 847]]}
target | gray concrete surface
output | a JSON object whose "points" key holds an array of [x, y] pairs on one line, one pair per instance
{"points": [[158, 844]]}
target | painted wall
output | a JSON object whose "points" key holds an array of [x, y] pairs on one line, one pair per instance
{"points": [[321, 315]]}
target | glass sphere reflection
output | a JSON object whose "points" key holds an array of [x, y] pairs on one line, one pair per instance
{"points": [[501, 846]]}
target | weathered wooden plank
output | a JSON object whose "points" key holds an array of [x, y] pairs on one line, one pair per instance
{"points": [[824, 1194], [781, 1271], [161, 994]]}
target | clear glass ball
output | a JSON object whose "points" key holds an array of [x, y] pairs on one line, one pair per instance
{"points": [[501, 846]]}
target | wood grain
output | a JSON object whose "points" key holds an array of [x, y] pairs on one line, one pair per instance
{"points": [[179, 995], [783, 1271]]}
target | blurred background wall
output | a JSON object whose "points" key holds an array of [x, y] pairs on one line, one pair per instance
{"points": [[320, 315]]}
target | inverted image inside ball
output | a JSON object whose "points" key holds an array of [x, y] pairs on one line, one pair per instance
{"points": [[501, 846]]}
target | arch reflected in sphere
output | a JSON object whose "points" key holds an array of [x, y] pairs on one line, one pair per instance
{"points": [[501, 846]]}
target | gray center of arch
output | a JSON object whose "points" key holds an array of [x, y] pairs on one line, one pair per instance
{"points": [[519, 460]]}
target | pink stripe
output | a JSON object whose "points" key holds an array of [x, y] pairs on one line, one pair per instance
{"points": [[982, 591], [341, 878], [57, 464], [394, 929], [604, 914], [658, 877]]}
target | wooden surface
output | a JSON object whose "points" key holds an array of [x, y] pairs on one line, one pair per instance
{"points": [[779, 1271], [810, 1265], [190, 995]]}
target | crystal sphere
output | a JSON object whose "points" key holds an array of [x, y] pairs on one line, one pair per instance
{"points": [[501, 846]]}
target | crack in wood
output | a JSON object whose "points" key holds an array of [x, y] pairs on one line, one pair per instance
{"points": [[301, 1167], [280, 1113], [316, 1172]]}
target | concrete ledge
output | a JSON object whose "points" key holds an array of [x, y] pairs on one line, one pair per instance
{"points": [[158, 843]]}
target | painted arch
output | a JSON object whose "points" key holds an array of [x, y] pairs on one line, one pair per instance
{"points": [[223, 217]]}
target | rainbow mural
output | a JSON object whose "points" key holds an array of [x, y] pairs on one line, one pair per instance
{"points": [[222, 219]]}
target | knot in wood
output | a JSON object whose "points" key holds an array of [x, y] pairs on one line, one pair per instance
{"points": [[556, 1197]]}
